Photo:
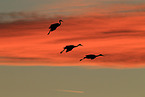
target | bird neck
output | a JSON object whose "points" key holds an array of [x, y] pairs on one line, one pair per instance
{"points": [[96, 55], [59, 22], [77, 45]]}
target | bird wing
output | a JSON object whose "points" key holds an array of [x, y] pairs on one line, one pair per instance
{"points": [[90, 55], [70, 46], [54, 25], [69, 49]]}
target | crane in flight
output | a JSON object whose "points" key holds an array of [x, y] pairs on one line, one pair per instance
{"points": [[54, 26], [91, 56], [70, 47]]}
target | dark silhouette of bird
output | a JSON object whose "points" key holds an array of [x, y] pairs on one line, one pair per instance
{"points": [[70, 47], [91, 56], [54, 26]]}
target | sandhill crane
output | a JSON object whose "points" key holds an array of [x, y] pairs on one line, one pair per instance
{"points": [[54, 26], [91, 56], [70, 47]]}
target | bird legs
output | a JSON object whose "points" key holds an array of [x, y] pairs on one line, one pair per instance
{"points": [[82, 59], [62, 51], [48, 33]]}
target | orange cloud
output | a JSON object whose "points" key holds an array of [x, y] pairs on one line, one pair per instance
{"points": [[120, 38]]}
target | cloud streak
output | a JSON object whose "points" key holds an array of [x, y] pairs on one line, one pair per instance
{"points": [[120, 38]]}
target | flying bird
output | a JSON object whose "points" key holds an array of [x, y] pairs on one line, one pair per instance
{"points": [[91, 56], [70, 47], [54, 26]]}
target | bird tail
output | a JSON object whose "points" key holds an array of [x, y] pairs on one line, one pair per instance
{"points": [[62, 51], [82, 59]]}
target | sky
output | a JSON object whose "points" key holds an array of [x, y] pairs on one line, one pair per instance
{"points": [[30, 61], [112, 28]]}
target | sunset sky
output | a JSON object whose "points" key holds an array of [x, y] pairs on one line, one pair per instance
{"points": [[114, 28]]}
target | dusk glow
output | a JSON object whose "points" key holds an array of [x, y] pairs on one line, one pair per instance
{"points": [[120, 37], [72, 48]]}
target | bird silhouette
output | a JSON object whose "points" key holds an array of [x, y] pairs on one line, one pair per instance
{"points": [[54, 26], [70, 47], [91, 56]]}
